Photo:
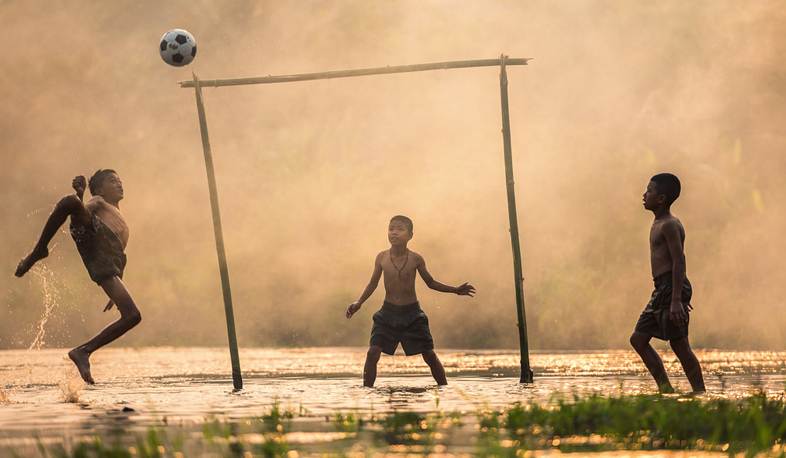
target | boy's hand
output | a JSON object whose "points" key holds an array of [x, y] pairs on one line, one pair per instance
{"points": [[109, 305], [353, 307], [677, 313], [79, 184], [465, 290]]}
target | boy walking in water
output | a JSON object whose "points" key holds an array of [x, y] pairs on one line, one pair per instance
{"points": [[666, 317], [101, 235], [400, 319]]}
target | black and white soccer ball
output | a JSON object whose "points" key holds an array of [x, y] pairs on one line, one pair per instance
{"points": [[178, 47]]}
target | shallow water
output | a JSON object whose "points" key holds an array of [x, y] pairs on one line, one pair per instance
{"points": [[40, 389]]}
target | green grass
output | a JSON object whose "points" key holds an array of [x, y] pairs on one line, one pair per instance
{"points": [[750, 426], [597, 423]]}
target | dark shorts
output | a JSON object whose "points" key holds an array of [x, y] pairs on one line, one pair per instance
{"points": [[101, 250], [655, 319], [407, 324]]}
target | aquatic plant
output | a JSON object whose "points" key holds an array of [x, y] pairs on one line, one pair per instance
{"points": [[349, 423], [277, 420], [273, 447], [753, 424], [595, 423]]}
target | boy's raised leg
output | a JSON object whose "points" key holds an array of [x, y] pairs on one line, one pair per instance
{"points": [[70, 205], [641, 343], [370, 368], [690, 364], [437, 371], [129, 317]]}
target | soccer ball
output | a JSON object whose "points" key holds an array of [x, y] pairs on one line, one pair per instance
{"points": [[178, 47]]}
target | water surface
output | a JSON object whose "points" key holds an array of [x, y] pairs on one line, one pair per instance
{"points": [[137, 388]]}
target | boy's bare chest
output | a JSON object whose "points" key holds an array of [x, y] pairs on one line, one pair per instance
{"points": [[114, 219], [399, 269], [656, 235]]}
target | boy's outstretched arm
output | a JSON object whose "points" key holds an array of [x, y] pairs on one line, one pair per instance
{"points": [[464, 289], [368, 291], [672, 234]]}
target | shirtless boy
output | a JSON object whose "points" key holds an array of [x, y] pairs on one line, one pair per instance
{"points": [[666, 317], [400, 319], [101, 235]]}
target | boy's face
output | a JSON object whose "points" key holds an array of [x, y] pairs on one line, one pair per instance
{"points": [[111, 189], [651, 197], [398, 234]]}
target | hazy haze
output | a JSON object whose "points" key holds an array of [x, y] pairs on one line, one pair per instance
{"points": [[309, 173]]}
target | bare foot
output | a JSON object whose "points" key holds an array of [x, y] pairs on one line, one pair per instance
{"points": [[25, 264], [81, 358]]}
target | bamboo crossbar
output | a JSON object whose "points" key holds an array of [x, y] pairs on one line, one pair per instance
{"points": [[353, 73]]}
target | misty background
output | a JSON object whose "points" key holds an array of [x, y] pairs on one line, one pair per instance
{"points": [[310, 173]]}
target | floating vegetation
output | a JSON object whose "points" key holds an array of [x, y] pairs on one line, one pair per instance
{"points": [[753, 425]]}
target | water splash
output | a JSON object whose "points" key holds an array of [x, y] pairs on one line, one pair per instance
{"points": [[70, 389], [31, 357], [45, 275], [45, 209]]}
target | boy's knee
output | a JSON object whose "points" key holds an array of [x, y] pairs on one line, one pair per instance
{"points": [[133, 318], [374, 352], [638, 341], [429, 356]]}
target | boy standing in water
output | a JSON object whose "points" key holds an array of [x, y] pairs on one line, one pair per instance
{"points": [[666, 317], [101, 235], [400, 319]]}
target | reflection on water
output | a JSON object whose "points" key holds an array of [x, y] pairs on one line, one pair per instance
{"points": [[141, 387]]}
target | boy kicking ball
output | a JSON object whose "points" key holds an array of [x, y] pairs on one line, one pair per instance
{"points": [[101, 235], [400, 320]]}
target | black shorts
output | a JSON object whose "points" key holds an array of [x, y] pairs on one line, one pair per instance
{"points": [[655, 320], [407, 324], [100, 248]]}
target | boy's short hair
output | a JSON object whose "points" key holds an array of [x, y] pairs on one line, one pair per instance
{"points": [[97, 180], [667, 184], [407, 222]]}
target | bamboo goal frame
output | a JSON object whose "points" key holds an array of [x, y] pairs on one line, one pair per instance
{"points": [[503, 61]]}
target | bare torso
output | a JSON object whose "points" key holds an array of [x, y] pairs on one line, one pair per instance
{"points": [[111, 216], [660, 256], [399, 272]]}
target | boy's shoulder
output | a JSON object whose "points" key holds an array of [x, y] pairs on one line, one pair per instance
{"points": [[102, 208], [668, 221], [96, 202], [385, 254], [667, 227]]}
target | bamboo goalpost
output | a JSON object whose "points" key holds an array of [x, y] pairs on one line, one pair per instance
{"points": [[502, 62]]}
